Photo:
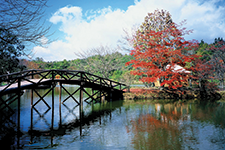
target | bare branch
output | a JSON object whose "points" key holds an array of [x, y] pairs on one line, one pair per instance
{"points": [[23, 19], [102, 60]]}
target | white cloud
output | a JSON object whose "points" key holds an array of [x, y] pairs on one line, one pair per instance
{"points": [[66, 14], [105, 26], [44, 40], [57, 50]]}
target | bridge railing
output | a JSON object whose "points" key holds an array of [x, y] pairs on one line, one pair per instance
{"points": [[14, 80], [85, 76], [29, 75]]}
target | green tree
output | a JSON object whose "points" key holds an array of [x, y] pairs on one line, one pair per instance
{"points": [[20, 24], [102, 61], [64, 64], [10, 53], [202, 50], [127, 79], [40, 62]]}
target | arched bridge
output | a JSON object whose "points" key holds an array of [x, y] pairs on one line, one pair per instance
{"points": [[31, 79], [14, 83]]}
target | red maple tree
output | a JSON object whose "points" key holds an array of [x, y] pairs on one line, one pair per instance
{"points": [[161, 52]]}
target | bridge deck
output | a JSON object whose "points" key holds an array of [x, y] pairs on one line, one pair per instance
{"points": [[25, 80], [34, 83], [24, 84]]}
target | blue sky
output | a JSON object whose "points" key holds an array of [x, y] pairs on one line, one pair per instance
{"points": [[85, 5], [80, 25]]}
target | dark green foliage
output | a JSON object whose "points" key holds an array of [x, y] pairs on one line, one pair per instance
{"points": [[21, 24], [82, 64], [205, 51], [217, 40], [202, 50], [10, 51]]}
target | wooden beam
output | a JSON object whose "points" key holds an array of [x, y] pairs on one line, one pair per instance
{"points": [[42, 98], [52, 120], [71, 95], [18, 113], [31, 115], [60, 104], [90, 96], [81, 109]]}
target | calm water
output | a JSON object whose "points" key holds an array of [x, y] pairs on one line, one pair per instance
{"points": [[121, 125]]}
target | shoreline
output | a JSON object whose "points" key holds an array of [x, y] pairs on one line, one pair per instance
{"points": [[157, 94]]}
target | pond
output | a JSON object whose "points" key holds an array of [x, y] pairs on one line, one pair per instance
{"points": [[115, 125]]}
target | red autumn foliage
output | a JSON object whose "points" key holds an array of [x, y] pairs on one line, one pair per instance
{"points": [[157, 53]]}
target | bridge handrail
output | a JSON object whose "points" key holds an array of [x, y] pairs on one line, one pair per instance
{"points": [[20, 74], [104, 79], [53, 72]]}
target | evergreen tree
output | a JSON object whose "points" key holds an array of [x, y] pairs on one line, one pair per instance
{"points": [[10, 51]]}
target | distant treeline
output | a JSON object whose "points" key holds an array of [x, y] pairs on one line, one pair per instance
{"points": [[91, 64], [112, 65]]}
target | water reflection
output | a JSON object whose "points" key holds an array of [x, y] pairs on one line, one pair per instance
{"points": [[182, 126], [116, 125], [43, 114]]}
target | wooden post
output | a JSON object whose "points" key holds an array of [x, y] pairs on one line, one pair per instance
{"points": [[31, 114], [92, 102], [102, 98], [110, 103], [110, 95], [52, 105], [81, 102], [52, 123], [18, 121], [100, 109], [60, 103], [81, 108], [32, 76]]}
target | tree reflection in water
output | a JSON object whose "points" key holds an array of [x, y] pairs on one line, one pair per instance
{"points": [[182, 126], [149, 125]]}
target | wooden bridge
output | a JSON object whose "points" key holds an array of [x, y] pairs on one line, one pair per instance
{"points": [[14, 84], [37, 78]]}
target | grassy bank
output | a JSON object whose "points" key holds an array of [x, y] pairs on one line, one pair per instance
{"points": [[156, 94]]}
